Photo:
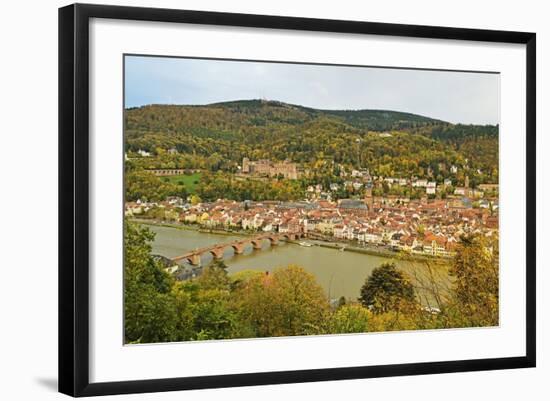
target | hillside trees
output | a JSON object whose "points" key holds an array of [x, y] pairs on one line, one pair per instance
{"points": [[217, 137], [144, 185]]}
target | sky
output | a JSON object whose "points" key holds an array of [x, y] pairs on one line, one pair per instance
{"points": [[456, 97]]}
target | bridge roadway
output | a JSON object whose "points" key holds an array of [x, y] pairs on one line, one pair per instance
{"points": [[217, 250]]}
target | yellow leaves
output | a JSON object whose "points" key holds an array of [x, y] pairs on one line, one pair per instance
{"points": [[352, 318], [477, 282], [286, 302]]}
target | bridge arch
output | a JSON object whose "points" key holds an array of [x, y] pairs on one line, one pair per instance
{"points": [[217, 253], [238, 247], [193, 259], [257, 243]]}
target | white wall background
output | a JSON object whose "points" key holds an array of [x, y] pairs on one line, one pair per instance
{"points": [[28, 199]]}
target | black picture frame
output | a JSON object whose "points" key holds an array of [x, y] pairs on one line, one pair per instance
{"points": [[74, 198]]}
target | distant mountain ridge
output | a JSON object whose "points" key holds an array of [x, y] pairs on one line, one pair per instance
{"points": [[371, 119]]}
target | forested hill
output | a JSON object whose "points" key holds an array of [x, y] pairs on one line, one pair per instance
{"points": [[261, 113], [218, 136]]}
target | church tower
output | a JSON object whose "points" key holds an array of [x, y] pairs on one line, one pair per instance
{"points": [[369, 200]]}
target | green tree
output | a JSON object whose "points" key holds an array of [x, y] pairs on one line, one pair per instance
{"points": [[212, 315], [195, 199], [287, 302], [141, 184], [299, 299], [387, 288], [149, 311], [351, 318], [214, 276]]}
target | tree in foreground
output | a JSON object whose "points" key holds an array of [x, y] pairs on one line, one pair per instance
{"points": [[350, 318], [476, 282], [387, 289], [149, 310], [287, 302]]}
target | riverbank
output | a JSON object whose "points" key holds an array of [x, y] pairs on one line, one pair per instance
{"points": [[341, 246], [382, 253], [189, 227]]}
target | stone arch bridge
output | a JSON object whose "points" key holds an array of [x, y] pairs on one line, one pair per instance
{"points": [[217, 250]]}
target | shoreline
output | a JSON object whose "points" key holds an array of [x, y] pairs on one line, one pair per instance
{"points": [[188, 227], [344, 246], [384, 253]]}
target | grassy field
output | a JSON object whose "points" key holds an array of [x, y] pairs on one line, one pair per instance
{"points": [[189, 181]]}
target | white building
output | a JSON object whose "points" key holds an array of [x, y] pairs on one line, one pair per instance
{"points": [[420, 183]]}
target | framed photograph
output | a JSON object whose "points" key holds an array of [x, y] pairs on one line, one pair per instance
{"points": [[250, 199]]}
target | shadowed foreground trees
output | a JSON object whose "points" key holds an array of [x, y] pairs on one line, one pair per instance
{"points": [[289, 301], [387, 289]]}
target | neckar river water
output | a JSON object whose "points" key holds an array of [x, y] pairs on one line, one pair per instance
{"points": [[339, 273]]}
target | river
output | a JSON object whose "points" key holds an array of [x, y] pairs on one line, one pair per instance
{"points": [[339, 273]]}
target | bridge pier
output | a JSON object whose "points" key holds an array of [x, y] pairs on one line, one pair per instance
{"points": [[239, 248], [217, 251], [257, 244], [195, 260]]}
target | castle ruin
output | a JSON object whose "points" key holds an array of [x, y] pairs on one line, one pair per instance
{"points": [[267, 168]]}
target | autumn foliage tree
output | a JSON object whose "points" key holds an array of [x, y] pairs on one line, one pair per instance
{"points": [[286, 302], [350, 318], [476, 281]]}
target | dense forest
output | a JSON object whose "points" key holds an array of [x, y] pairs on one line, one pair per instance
{"points": [[220, 135], [215, 138]]}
